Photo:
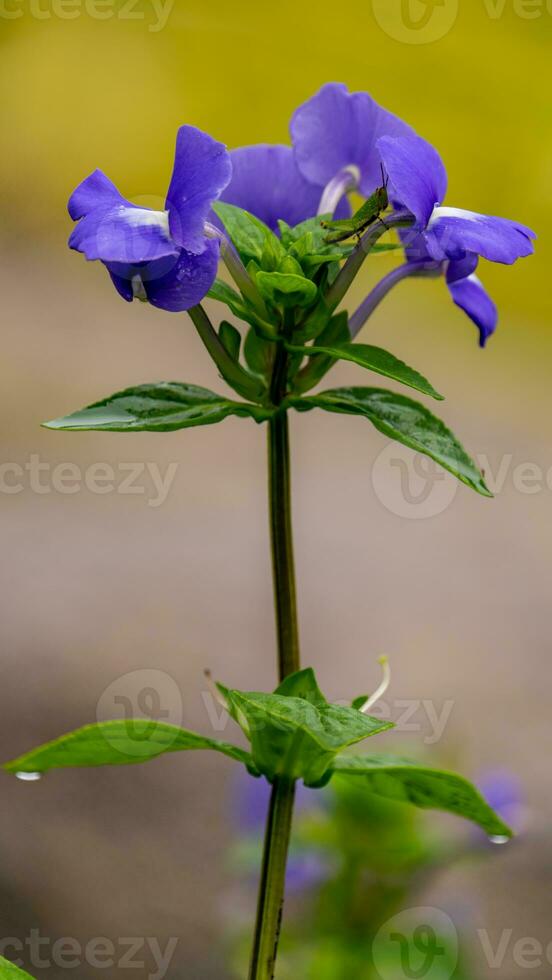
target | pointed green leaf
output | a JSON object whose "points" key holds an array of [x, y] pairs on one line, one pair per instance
{"points": [[286, 289], [258, 353], [230, 338], [248, 233], [224, 293], [116, 743], [406, 421], [302, 684], [8, 971], [399, 779], [158, 407], [294, 737], [374, 359], [239, 306], [312, 228], [336, 331]]}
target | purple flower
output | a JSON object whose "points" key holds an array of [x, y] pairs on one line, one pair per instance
{"points": [[338, 130], [449, 236], [253, 796], [159, 256], [305, 869], [267, 183], [504, 793]]}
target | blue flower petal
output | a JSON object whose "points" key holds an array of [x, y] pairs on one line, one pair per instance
{"points": [[172, 283], [336, 129], [416, 173], [455, 232], [267, 183], [186, 283], [122, 282], [462, 268], [95, 191], [471, 297], [123, 233], [202, 170]]}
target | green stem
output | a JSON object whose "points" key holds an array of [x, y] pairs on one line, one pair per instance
{"points": [[283, 570], [272, 884], [232, 372], [278, 826]]}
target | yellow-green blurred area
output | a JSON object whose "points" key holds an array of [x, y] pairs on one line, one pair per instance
{"points": [[109, 85], [96, 586]]}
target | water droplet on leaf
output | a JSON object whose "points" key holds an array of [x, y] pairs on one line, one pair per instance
{"points": [[29, 777], [499, 839]]}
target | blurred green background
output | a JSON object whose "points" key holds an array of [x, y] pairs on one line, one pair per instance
{"points": [[94, 586]]}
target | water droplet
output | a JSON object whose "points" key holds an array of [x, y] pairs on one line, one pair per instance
{"points": [[29, 777], [499, 839]]}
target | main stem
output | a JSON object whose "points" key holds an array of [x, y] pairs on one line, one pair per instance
{"points": [[278, 826], [281, 537]]}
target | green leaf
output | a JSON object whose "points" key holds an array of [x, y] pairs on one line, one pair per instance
{"points": [[302, 684], [273, 254], [116, 743], [406, 421], [313, 229], [224, 293], [336, 331], [399, 779], [159, 407], [230, 338], [8, 971], [291, 267], [286, 289], [293, 736], [248, 234], [258, 353], [374, 359], [312, 226]]}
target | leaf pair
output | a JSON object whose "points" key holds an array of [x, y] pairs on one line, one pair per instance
{"points": [[294, 732], [166, 406]]}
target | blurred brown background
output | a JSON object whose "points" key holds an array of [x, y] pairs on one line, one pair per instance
{"points": [[96, 586]]}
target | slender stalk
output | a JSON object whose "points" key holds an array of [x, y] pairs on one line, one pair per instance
{"points": [[343, 280], [236, 268], [272, 884], [318, 318], [230, 369], [380, 291], [278, 826]]}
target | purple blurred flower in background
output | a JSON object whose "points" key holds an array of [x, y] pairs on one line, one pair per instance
{"points": [[305, 869], [452, 237], [504, 793], [159, 256], [267, 183]]}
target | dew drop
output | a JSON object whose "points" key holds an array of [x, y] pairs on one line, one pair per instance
{"points": [[499, 839], [29, 777]]}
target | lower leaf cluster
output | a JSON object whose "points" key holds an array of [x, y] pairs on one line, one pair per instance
{"points": [[294, 733]]}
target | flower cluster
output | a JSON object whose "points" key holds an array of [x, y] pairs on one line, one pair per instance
{"points": [[341, 142]]}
